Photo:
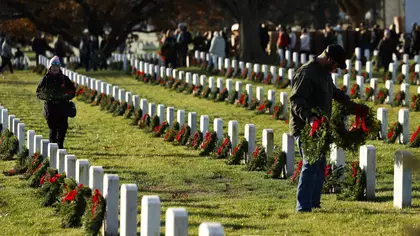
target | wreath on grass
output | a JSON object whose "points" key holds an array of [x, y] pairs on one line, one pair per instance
{"points": [[222, 96], [121, 109], [171, 132], [73, 203], [394, 132], [277, 165], [382, 95], [264, 108], [415, 102], [368, 93], [388, 76], [238, 153], [38, 174], [414, 78], [176, 84], [206, 92], [415, 139], [154, 123], [243, 100], [399, 98], [259, 77], [98, 99], [144, 121], [278, 112], [267, 80], [32, 163], [209, 143], [244, 73], [130, 111], [284, 84], [195, 140], [316, 139], [115, 104], [353, 188], [258, 161], [159, 130], [94, 214], [21, 165], [232, 97], [190, 89], [229, 72], [183, 134], [9, 145], [355, 91], [198, 90], [138, 113], [213, 94], [343, 88], [332, 178], [223, 151], [51, 187], [400, 78], [253, 105]]}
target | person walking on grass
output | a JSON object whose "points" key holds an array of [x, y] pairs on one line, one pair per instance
{"points": [[6, 55], [56, 90], [313, 88]]}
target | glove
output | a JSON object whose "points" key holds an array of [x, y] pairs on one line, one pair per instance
{"points": [[362, 110]]}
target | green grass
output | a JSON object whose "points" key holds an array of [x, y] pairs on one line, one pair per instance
{"points": [[245, 203]]}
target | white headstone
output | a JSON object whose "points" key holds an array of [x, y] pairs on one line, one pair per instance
{"points": [[170, 115], [218, 127], [203, 80], [271, 96], [161, 113], [369, 69], [128, 211], [249, 67], [37, 143], [111, 195], [220, 84], [188, 78], [15, 123], [303, 58], [248, 88], [290, 74], [210, 229], [195, 80], [211, 84], [260, 94], [337, 155], [374, 86], [220, 63], [129, 98], [229, 85], [235, 66], [180, 117], [346, 82], [382, 115], [367, 54], [241, 66], [21, 135], [103, 87], [288, 146], [268, 142], [361, 82], [70, 166], [284, 102], [296, 59], [257, 68], [233, 132], [392, 69], [152, 109], [390, 86], [82, 171], [115, 90], [204, 124], [405, 70], [61, 153], [358, 53], [150, 215], [227, 63], [282, 73], [265, 71], [402, 179], [192, 121], [406, 89], [334, 77], [273, 71], [406, 58], [52, 154], [238, 88], [121, 95], [368, 164], [404, 119], [250, 137], [143, 106], [10, 122], [348, 66], [176, 222], [96, 178], [108, 89]]}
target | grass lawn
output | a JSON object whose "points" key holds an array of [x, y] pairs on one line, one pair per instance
{"points": [[246, 203]]}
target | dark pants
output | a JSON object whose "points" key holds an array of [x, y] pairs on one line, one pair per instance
{"points": [[6, 62], [58, 129]]}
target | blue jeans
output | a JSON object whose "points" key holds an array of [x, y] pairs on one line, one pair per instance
{"points": [[310, 183]]}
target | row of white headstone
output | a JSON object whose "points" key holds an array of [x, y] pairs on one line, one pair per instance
{"points": [[220, 83], [108, 185]]}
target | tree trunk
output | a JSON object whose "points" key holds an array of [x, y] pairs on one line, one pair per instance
{"points": [[251, 50]]}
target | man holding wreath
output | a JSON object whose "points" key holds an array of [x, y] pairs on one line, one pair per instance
{"points": [[312, 88]]}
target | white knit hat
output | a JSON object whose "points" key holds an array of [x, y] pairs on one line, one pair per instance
{"points": [[55, 60]]}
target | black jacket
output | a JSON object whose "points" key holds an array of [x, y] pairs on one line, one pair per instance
{"points": [[56, 91]]}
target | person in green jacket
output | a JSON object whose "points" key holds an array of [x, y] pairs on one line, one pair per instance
{"points": [[56, 90], [312, 88]]}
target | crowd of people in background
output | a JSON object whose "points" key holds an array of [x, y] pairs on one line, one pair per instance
{"points": [[176, 44]]}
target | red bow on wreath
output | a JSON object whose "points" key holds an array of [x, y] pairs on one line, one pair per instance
{"points": [[315, 126]]}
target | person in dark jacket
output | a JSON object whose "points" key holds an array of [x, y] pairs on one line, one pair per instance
{"points": [[375, 37], [40, 46], [60, 49], [169, 50], [415, 40], [387, 46], [56, 90], [184, 38], [312, 88]]}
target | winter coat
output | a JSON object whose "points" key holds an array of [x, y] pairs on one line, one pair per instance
{"points": [[218, 46], [6, 50], [56, 91], [40, 46]]}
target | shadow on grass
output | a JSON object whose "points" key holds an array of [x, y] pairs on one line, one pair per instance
{"points": [[221, 215], [233, 226], [105, 154], [18, 82], [185, 155], [365, 211]]}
